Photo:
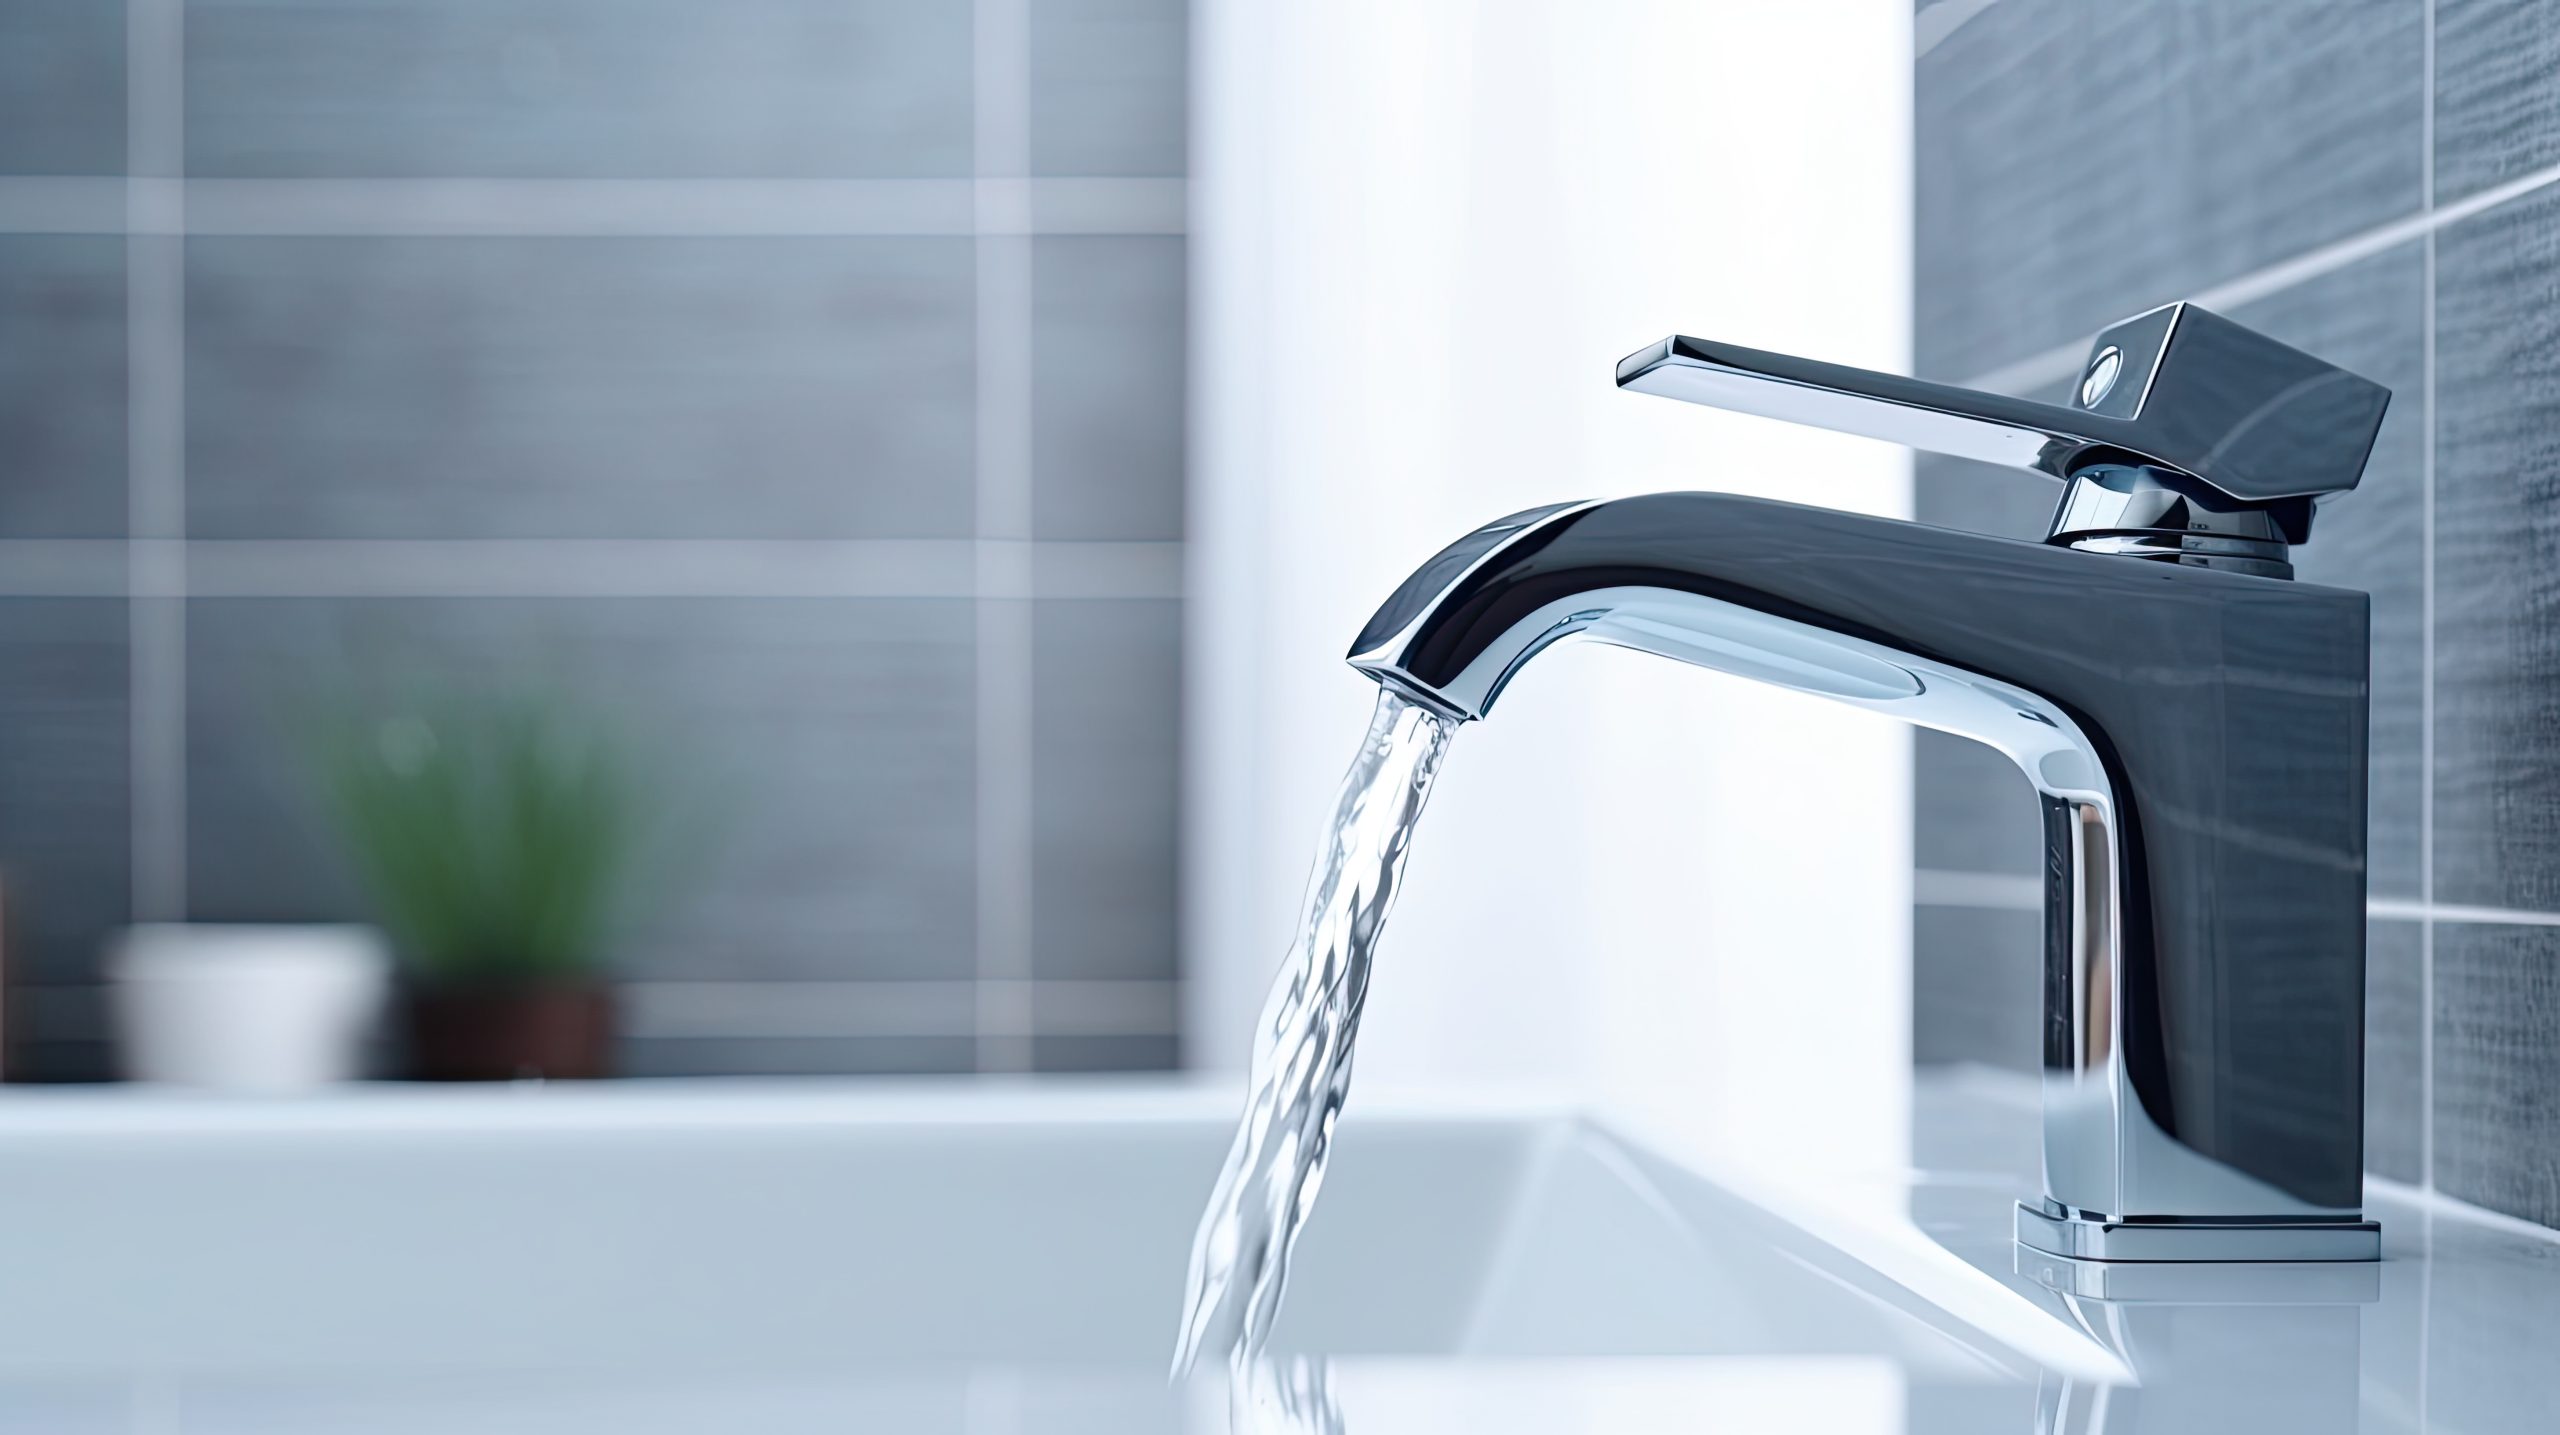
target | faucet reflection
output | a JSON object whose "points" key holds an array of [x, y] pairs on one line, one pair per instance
{"points": [[2261, 1355]]}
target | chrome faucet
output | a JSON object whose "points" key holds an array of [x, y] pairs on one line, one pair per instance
{"points": [[2194, 723]]}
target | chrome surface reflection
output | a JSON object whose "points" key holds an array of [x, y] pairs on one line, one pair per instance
{"points": [[2184, 423], [2194, 724]]}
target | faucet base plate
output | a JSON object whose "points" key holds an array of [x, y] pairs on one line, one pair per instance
{"points": [[2205, 1283], [2084, 1239]]}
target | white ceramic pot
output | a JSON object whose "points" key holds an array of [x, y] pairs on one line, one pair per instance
{"points": [[246, 1008]]}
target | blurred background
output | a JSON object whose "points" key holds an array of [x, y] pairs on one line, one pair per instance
{"points": [[797, 554], [787, 396], [816, 536]]}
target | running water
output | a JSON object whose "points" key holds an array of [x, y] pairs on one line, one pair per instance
{"points": [[1268, 1398], [1302, 1056]]}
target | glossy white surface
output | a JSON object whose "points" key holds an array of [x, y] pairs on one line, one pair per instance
{"points": [[926, 1257]]}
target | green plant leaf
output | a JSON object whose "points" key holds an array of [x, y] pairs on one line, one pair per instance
{"points": [[495, 835]]}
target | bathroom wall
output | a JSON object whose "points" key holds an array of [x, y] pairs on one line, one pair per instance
{"points": [[2376, 183], [800, 380], [1425, 234]]}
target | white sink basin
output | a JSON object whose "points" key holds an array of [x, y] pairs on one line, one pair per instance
{"points": [[920, 1257], [772, 1227]]}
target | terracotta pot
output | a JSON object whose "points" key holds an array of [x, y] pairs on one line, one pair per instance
{"points": [[505, 1031]]}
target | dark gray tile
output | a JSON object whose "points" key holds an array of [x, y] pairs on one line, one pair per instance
{"points": [[1973, 811], [44, 1062], [2395, 1017], [1106, 796], [2497, 114], [1977, 986], [2497, 1067], [2497, 668], [62, 87], [65, 805], [1105, 1053], [62, 385], [1982, 497], [69, 1010], [578, 88], [1107, 384], [2370, 317], [811, 760], [797, 1056], [1109, 86], [581, 388], [2077, 163]]}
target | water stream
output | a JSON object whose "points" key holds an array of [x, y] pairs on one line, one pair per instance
{"points": [[1293, 1397], [1302, 1053]]}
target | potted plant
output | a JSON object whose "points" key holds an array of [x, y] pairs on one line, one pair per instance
{"points": [[496, 839]]}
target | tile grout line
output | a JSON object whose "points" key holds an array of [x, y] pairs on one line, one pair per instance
{"points": [[2427, 620], [2013, 892], [2433, 1202], [595, 567], [2427, 695], [2441, 913], [837, 1009], [2062, 360], [592, 208], [680, 1009], [155, 459], [1000, 105]]}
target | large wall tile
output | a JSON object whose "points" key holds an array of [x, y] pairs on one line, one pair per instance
{"points": [[1106, 804], [1108, 86], [1108, 363], [2370, 317], [1105, 1053], [62, 67], [1977, 986], [796, 1056], [65, 819], [813, 760], [2497, 1067], [1987, 497], [578, 88], [62, 385], [2497, 678], [1974, 811], [2497, 112], [653, 388], [2395, 1017], [2078, 163], [1982, 497]]}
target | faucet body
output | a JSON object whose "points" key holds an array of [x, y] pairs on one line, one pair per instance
{"points": [[2195, 729]]}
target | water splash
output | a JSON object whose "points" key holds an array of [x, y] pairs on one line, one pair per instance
{"points": [[1302, 1055], [1269, 1397]]}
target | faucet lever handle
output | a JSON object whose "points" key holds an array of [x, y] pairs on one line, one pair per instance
{"points": [[2178, 388]]}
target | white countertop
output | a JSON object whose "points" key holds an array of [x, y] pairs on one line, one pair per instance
{"points": [[2450, 1332]]}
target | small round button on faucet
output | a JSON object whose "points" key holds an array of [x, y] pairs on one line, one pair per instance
{"points": [[2101, 376]]}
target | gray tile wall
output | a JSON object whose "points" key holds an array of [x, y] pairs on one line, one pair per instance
{"points": [[2314, 177], [728, 367], [631, 387]]}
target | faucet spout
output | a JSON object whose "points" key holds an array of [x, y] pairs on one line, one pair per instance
{"points": [[2197, 741]]}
